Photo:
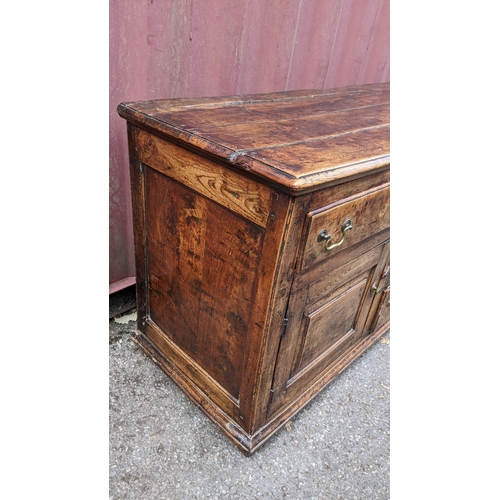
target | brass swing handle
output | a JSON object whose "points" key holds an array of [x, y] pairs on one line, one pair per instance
{"points": [[325, 235], [378, 289]]}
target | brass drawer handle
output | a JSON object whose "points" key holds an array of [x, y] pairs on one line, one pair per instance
{"points": [[325, 235]]}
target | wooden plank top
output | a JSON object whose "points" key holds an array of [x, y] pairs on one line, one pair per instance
{"points": [[299, 140]]}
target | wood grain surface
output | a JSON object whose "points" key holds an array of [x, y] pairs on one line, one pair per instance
{"points": [[238, 301], [202, 265], [296, 139]]}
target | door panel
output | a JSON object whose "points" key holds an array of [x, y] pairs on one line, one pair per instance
{"points": [[325, 319], [318, 333]]}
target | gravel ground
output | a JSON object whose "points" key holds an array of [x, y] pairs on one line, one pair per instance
{"points": [[163, 447]]}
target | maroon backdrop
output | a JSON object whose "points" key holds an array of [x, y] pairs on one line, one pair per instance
{"points": [[197, 48]]}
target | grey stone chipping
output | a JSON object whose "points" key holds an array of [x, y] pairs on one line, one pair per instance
{"points": [[163, 447]]}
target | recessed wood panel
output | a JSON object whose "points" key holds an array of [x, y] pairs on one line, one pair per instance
{"points": [[202, 269], [330, 323]]}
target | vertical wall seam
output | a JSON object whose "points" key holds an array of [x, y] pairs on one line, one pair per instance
{"points": [[293, 45], [363, 64], [333, 44], [240, 50], [190, 52]]}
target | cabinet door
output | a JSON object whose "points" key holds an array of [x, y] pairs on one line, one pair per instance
{"points": [[325, 319]]}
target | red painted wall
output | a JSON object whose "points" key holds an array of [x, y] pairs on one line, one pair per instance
{"points": [[196, 48]]}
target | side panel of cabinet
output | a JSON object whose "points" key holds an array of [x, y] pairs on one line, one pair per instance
{"points": [[325, 320], [202, 270], [208, 242]]}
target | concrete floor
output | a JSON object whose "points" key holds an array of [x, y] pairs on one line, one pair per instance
{"points": [[163, 447]]}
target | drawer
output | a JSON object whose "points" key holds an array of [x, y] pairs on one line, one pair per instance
{"points": [[338, 226]]}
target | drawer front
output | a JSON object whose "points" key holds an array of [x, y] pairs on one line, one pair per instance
{"points": [[328, 231]]}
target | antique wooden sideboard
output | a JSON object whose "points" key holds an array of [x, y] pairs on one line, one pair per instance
{"points": [[261, 229]]}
